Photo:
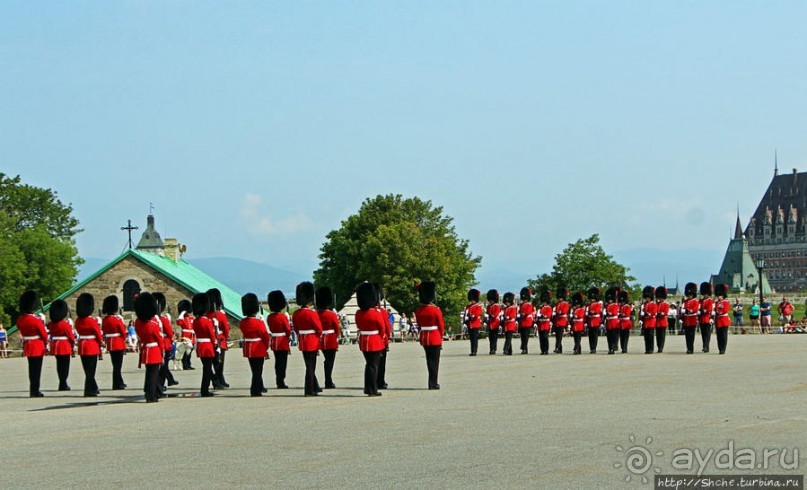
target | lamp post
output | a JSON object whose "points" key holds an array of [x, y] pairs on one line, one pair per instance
{"points": [[760, 263]]}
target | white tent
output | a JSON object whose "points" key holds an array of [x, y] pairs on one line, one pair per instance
{"points": [[352, 306]]}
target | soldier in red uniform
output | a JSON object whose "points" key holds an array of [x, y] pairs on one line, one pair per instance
{"points": [[593, 318], [706, 314], [306, 323], [168, 343], [280, 331], [578, 320], [560, 318], [114, 330], [62, 340], [222, 336], [612, 327], [329, 342], [722, 320], [493, 315], [256, 341], [625, 319], [370, 325], [691, 312], [648, 312], [185, 324], [509, 322], [89, 341], [432, 329], [205, 334], [149, 332], [544, 318], [386, 334], [472, 318], [34, 339], [662, 310], [526, 317]]}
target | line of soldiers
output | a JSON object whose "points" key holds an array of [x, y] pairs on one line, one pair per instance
{"points": [[588, 315]]}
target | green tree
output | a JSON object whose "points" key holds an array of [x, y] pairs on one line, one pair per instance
{"points": [[37, 247], [397, 242], [584, 264]]}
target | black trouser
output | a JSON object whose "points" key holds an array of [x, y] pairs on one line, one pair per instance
{"points": [[624, 336], [661, 335], [706, 335], [256, 366], [381, 376], [543, 340], [722, 335], [63, 371], [152, 382], [473, 335], [207, 374], [525, 337], [593, 338], [689, 335], [34, 373], [649, 337], [89, 363], [165, 369], [577, 336], [117, 365], [493, 338], [281, 359], [508, 344], [433, 363], [330, 357], [558, 339], [186, 360], [371, 360], [613, 339], [311, 386], [218, 369]]}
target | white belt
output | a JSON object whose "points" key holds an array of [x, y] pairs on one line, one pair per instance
{"points": [[723, 314], [202, 341], [86, 337], [594, 316], [612, 318], [151, 344], [281, 334], [306, 332], [110, 335], [328, 331], [252, 340], [185, 330], [59, 338], [33, 337], [368, 332], [430, 328]]}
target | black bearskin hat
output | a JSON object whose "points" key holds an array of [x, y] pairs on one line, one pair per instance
{"points": [[508, 298], [546, 296], [473, 295], [691, 289], [58, 310], [577, 299], [594, 294], [624, 296], [277, 301], [110, 305], [324, 297], [610, 294], [366, 296], [184, 306], [216, 302], [28, 301], [661, 292], [562, 293], [145, 306], [525, 294], [160, 298], [250, 304], [721, 290], [200, 304], [85, 305], [648, 292], [304, 294], [706, 288], [379, 293], [427, 293], [493, 295]]}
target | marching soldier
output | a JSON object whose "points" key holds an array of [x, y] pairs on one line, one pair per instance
{"points": [[560, 318], [526, 317], [690, 310], [256, 341], [593, 318], [222, 336], [149, 332], [662, 310], [280, 331], [472, 317], [612, 326], [578, 320], [34, 338], [89, 341], [544, 318], [331, 330], [309, 329], [493, 315], [386, 334], [707, 311], [625, 321], [114, 331], [61, 340], [509, 322], [168, 342], [185, 323], [648, 313], [205, 333], [370, 324], [722, 320], [432, 329]]}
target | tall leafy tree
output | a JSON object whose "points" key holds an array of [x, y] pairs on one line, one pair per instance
{"points": [[397, 242], [37, 246]]}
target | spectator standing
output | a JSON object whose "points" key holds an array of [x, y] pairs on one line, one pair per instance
{"points": [[738, 313], [785, 312], [3, 341], [753, 313], [765, 314]]}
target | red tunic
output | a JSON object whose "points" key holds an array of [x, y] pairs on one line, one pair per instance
{"points": [[707, 305], [331, 330], [205, 336], [309, 329], [33, 335], [473, 315], [612, 316], [649, 312], [663, 309], [578, 319], [493, 312], [594, 314], [387, 332], [722, 309], [691, 309], [370, 325], [624, 316], [256, 337], [560, 317], [526, 314], [114, 333], [544, 317], [509, 318], [151, 341], [89, 336], [280, 330], [430, 322], [222, 326], [168, 332], [61, 338], [185, 323]]}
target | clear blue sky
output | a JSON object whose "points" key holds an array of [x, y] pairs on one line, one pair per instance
{"points": [[256, 127]]}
